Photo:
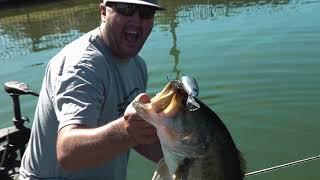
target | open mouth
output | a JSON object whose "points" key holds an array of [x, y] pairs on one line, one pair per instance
{"points": [[131, 36], [161, 101], [168, 101]]}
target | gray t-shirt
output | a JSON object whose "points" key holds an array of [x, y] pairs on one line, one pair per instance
{"points": [[83, 84]]}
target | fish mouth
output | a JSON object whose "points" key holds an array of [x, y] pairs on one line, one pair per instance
{"points": [[162, 100], [167, 103]]}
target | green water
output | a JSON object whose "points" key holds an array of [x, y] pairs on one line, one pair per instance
{"points": [[257, 64]]}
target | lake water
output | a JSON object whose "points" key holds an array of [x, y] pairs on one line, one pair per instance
{"points": [[257, 64]]}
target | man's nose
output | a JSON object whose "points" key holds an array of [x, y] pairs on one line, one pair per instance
{"points": [[136, 16]]}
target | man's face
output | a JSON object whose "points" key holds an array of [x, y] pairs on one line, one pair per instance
{"points": [[124, 34]]}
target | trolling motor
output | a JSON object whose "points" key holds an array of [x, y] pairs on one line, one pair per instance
{"points": [[14, 138], [15, 89]]}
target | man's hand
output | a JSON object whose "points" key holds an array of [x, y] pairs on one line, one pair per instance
{"points": [[138, 129]]}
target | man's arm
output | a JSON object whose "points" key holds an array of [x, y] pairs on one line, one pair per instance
{"points": [[79, 146]]}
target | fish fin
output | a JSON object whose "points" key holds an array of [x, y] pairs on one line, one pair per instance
{"points": [[182, 170], [162, 171]]}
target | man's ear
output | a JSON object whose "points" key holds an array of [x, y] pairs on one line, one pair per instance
{"points": [[102, 12]]}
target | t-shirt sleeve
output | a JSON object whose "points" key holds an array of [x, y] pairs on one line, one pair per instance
{"points": [[78, 95]]}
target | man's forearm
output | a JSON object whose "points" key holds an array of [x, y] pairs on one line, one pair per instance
{"points": [[79, 147]]}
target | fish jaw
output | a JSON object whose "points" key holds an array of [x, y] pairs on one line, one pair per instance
{"points": [[163, 99], [161, 120], [163, 105], [146, 112]]}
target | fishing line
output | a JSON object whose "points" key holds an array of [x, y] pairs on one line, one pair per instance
{"points": [[283, 166]]}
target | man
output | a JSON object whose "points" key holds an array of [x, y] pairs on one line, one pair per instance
{"points": [[82, 128]]}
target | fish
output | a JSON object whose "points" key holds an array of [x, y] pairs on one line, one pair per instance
{"points": [[195, 142]]}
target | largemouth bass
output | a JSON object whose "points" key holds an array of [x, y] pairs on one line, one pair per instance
{"points": [[196, 144]]}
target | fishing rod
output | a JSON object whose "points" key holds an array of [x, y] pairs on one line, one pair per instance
{"points": [[282, 166]]}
